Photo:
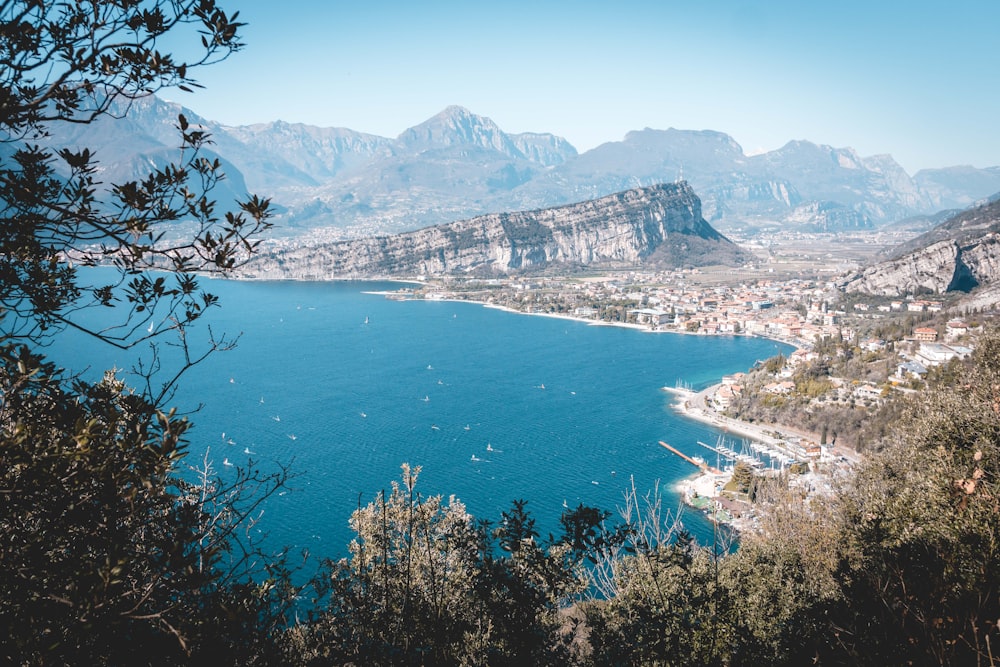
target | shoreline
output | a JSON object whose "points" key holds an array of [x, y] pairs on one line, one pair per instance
{"points": [[798, 345], [691, 404], [706, 484]]}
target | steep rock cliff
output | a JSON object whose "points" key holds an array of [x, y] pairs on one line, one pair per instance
{"points": [[961, 254], [659, 225], [932, 269]]}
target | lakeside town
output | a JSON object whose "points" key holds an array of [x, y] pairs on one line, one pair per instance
{"points": [[801, 418]]}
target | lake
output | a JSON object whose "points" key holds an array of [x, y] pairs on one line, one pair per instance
{"points": [[344, 386]]}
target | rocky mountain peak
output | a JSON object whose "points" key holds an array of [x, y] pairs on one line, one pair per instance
{"points": [[458, 164], [458, 126]]}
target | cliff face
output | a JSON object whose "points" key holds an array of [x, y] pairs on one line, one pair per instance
{"points": [[961, 254], [654, 226], [931, 269]]}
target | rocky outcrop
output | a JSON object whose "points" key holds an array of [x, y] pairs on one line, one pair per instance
{"points": [[931, 270], [960, 254], [653, 226]]}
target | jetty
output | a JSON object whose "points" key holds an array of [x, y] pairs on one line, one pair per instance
{"points": [[700, 464], [720, 449]]}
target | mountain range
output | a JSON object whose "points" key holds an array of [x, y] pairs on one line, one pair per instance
{"points": [[457, 165]]}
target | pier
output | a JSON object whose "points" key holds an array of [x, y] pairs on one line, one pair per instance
{"points": [[700, 464], [725, 452]]}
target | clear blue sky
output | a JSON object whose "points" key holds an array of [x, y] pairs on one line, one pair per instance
{"points": [[914, 79]]}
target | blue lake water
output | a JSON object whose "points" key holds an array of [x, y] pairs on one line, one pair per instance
{"points": [[493, 405]]}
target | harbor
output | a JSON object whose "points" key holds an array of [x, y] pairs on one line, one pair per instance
{"points": [[765, 452], [780, 443]]}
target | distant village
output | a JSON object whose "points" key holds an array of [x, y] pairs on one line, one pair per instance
{"points": [[796, 311]]}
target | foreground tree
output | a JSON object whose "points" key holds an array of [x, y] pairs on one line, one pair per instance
{"points": [[427, 584], [106, 554], [921, 537], [72, 63]]}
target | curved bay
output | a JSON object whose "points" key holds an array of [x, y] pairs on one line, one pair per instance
{"points": [[345, 386]]}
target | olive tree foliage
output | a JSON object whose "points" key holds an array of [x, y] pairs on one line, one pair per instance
{"points": [[427, 584], [106, 555], [921, 536], [67, 63]]}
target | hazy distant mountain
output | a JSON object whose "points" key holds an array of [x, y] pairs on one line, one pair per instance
{"points": [[921, 223], [144, 137], [456, 126], [877, 189], [457, 165], [658, 226], [645, 157], [957, 187], [317, 154], [801, 184], [544, 149]]}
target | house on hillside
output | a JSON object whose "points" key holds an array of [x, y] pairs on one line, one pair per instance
{"points": [[733, 378], [725, 395], [955, 329], [935, 354], [911, 370]]}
